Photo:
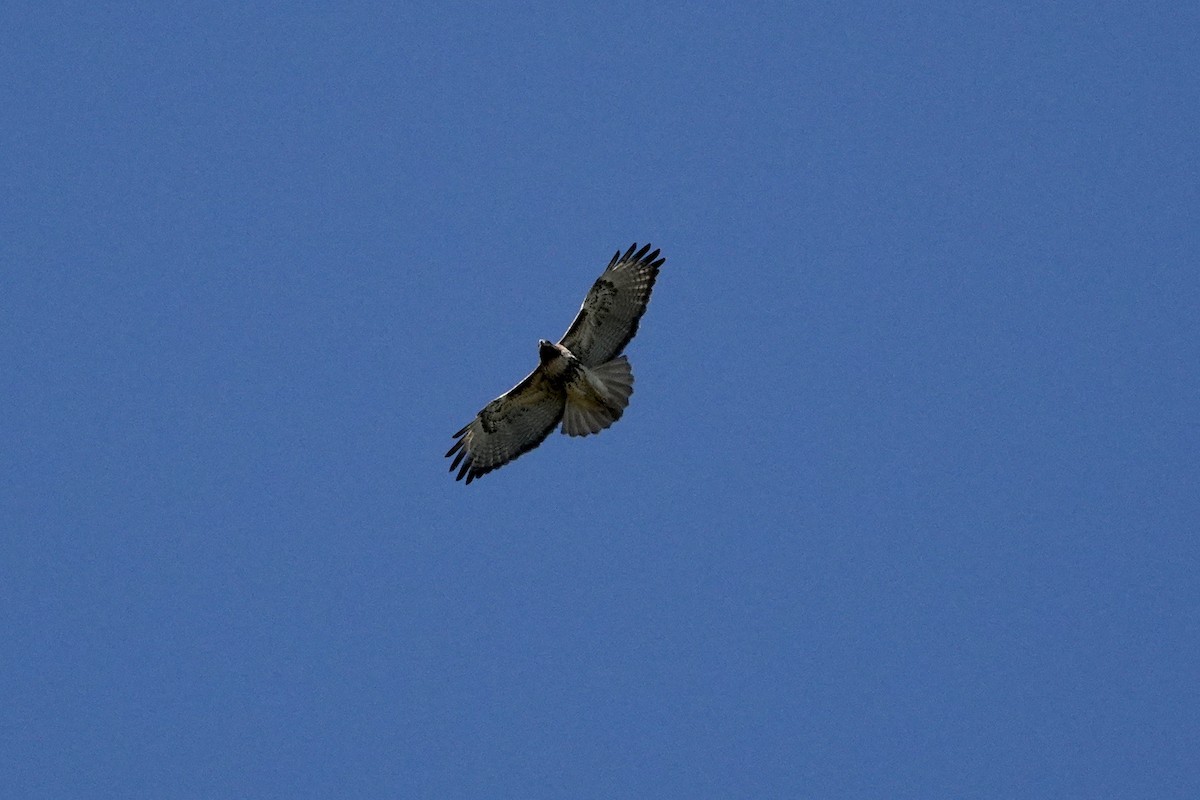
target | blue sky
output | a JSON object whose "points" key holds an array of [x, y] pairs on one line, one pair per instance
{"points": [[905, 504]]}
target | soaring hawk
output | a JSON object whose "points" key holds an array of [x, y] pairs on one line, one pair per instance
{"points": [[583, 381]]}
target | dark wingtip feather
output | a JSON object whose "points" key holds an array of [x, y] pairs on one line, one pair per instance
{"points": [[635, 256]]}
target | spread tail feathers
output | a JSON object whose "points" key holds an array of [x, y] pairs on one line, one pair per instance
{"points": [[598, 397]]}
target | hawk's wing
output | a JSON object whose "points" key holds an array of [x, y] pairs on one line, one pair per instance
{"points": [[609, 316], [514, 423]]}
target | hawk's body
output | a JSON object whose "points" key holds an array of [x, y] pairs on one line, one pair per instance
{"points": [[583, 381]]}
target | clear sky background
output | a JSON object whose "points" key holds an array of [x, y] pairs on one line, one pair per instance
{"points": [[906, 502]]}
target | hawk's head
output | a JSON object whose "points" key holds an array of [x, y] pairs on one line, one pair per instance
{"points": [[547, 351]]}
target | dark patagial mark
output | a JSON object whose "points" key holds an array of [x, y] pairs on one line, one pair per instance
{"points": [[490, 417]]}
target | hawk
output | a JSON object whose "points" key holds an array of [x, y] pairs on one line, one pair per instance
{"points": [[583, 381]]}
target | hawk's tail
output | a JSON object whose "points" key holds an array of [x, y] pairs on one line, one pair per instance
{"points": [[598, 398]]}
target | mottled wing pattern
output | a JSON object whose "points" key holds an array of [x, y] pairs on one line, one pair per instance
{"points": [[514, 423], [609, 316]]}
